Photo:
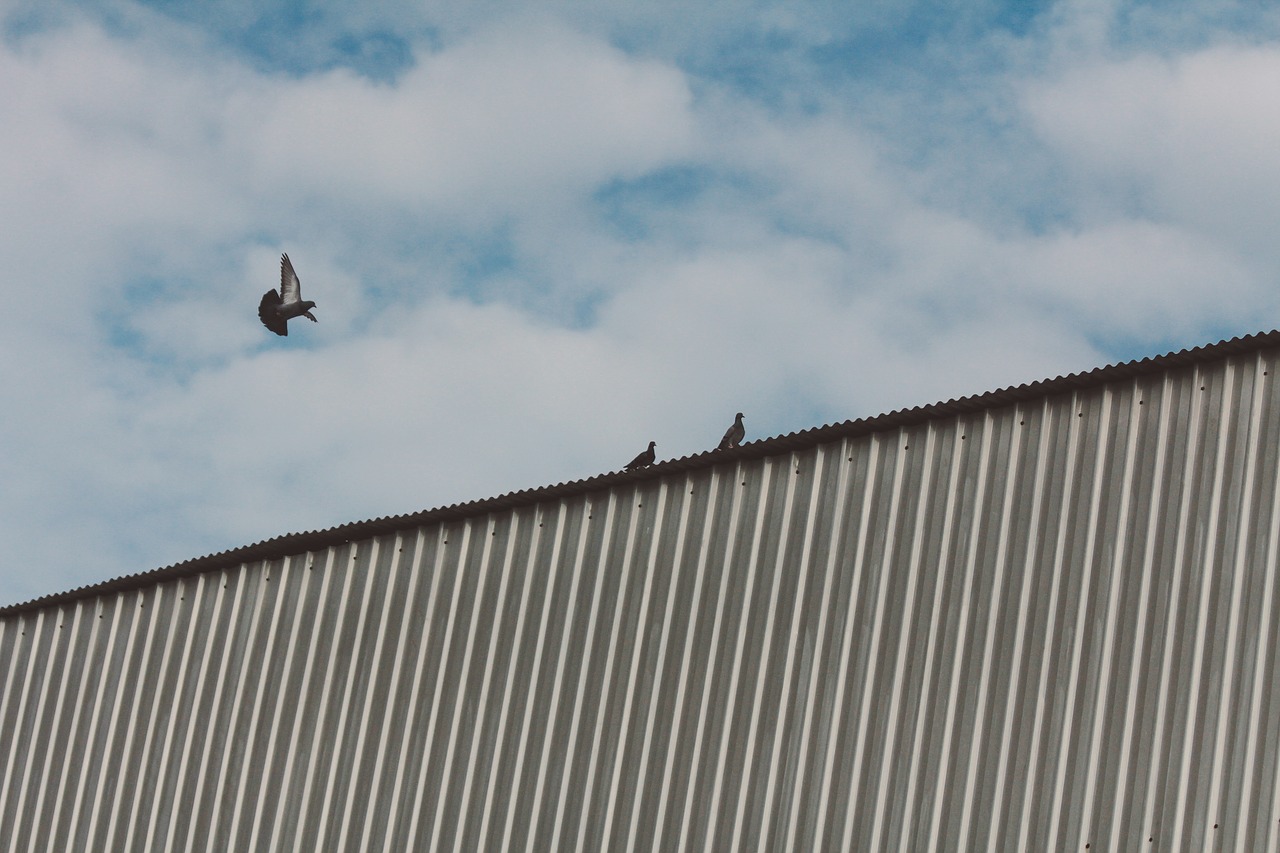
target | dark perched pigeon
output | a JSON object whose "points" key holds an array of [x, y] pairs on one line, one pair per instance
{"points": [[276, 309], [733, 435], [644, 460]]}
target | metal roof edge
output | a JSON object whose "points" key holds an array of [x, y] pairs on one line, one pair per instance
{"points": [[296, 543]]}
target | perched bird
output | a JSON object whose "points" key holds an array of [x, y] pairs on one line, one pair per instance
{"points": [[644, 460], [276, 309], [733, 435]]}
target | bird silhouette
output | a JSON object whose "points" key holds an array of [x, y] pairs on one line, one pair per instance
{"points": [[276, 309], [733, 435], [644, 460]]}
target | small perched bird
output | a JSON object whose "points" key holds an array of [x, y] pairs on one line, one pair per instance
{"points": [[276, 309], [733, 435], [644, 460]]}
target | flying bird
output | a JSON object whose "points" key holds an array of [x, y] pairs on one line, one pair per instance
{"points": [[276, 309], [733, 435], [644, 460]]}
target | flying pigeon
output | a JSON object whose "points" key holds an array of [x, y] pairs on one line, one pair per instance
{"points": [[276, 309], [733, 435], [644, 460]]}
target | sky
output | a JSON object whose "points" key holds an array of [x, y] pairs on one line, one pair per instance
{"points": [[541, 234]]}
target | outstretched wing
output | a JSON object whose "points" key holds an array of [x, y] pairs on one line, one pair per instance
{"points": [[290, 286], [268, 315]]}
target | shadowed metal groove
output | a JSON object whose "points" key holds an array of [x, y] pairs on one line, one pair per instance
{"points": [[1038, 619]]}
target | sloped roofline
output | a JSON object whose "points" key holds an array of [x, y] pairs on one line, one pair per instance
{"points": [[299, 543]]}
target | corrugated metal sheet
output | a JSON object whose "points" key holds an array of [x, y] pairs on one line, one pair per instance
{"points": [[1046, 624]]}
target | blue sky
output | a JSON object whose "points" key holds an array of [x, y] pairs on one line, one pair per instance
{"points": [[540, 235]]}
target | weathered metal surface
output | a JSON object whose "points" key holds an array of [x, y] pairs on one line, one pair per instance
{"points": [[1037, 625]]}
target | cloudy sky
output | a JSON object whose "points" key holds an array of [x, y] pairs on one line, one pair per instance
{"points": [[541, 234]]}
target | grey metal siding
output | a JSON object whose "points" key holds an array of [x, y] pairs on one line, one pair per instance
{"points": [[1036, 626]]}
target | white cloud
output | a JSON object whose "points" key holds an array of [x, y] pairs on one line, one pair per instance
{"points": [[1141, 280], [499, 123], [1190, 138]]}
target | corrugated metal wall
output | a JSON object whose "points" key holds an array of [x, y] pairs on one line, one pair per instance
{"points": [[1048, 626]]}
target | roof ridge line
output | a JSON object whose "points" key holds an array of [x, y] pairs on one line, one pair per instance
{"points": [[306, 541]]}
